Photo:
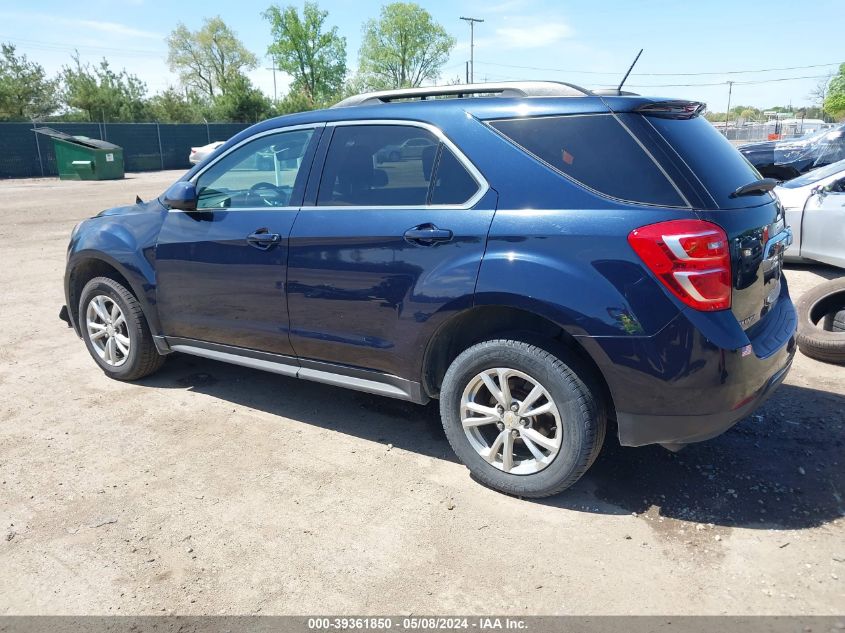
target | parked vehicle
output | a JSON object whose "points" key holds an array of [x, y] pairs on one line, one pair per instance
{"points": [[410, 148], [199, 154], [784, 160], [815, 210], [566, 258]]}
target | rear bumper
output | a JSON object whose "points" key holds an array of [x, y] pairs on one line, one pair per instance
{"points": [[640, 429], [697, 377]]}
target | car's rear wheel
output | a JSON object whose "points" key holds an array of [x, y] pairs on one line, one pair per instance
{"points": [[523, 420], [115, 330]]}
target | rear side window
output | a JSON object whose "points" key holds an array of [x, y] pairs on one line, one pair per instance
{"points": [[598, 152], [378, 165], [453, 183]]}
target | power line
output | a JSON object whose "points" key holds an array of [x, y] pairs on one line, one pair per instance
{"points": [[52, 46], [595, 72], [722, 83], [687, 85]]}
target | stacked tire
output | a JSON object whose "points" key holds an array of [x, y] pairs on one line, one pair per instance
{"points": [[821, 322]]}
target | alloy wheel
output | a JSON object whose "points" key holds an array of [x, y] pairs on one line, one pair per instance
{"points": [[107, 330], [511, 421]]}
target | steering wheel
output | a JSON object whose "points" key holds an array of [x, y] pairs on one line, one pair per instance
{"points": [[282, 193]]}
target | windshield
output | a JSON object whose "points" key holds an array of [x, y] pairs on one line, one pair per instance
{"points": [[816, 175]]}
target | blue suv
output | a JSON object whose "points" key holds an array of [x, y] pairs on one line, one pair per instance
{"points": [[540, 258]]}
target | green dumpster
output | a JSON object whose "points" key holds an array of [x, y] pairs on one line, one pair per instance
{"points": [[83, 158]]}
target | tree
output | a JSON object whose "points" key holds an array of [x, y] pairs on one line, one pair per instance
{"points": [[834, 103], [314, 56], [174, 106], [241, 102], [295, 101], [819, 91], [25, 91], [403, 48], [749, 114], [209, 59], [103, 94]]}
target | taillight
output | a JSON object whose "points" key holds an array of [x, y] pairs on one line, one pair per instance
{"points": [[691, 258]]}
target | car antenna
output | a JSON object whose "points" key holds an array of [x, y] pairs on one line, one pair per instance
{"points": [[630, 68]]}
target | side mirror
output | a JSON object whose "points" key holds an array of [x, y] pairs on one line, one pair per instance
{"points": [[181, 195]]}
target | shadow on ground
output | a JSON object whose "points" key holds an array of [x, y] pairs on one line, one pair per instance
{"points": [[822, 270], [781, 468]]}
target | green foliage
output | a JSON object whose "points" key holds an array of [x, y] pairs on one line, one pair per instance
{"points": [[173, 106], [403, 48], [103, 94], [241, 102], [834, 103], [297, 101], [305, 49], [208, 59], [25, 91]]}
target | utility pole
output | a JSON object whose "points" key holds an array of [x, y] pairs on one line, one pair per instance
{"points": [[728, 113], [274, 69], [472, 22]]}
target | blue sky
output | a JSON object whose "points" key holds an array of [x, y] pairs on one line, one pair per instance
{"points": [[588, 43]]}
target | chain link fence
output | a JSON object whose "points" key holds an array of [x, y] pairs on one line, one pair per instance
{"points": [[146, 146], [750, 133]]}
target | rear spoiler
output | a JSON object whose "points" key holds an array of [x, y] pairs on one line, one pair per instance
{"points": [[674, 109]]}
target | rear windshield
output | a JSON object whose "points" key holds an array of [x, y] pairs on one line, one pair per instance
{"points": [[717, 165], [597, 151]]}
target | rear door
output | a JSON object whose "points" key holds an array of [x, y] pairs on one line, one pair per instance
{"points": [[823, 228], [384, 246], [221, 269]]}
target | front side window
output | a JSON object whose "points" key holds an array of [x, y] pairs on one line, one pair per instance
{"points": [[261, 173], [595, 150]]}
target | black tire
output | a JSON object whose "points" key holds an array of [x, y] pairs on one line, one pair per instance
{"points": [[835, 321], [582, 414], [821, 322], [143, 358]]}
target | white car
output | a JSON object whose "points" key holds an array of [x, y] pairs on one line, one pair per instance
{"points": [[815, 209], [199, 154]]}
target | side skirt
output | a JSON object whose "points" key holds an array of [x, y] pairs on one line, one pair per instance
{"points": [[328, 373]]}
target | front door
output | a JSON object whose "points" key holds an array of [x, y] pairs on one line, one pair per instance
{"points": [[391, 243], [823, 227], [221, 269]]}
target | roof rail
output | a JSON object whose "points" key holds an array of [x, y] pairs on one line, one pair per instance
{"points": [[499, 89]]}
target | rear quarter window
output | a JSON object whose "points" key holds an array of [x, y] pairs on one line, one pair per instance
{"points": [[596, 151], [717, 164]]}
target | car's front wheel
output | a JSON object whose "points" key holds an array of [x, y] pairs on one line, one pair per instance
{"points": [[115, 330], [523, 420]]}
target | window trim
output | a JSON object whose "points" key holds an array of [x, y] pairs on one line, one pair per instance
{"points": [[686, 204], [483, 185], [280, 130]]}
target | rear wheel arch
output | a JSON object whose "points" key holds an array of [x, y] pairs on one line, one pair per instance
{"points": [[481, 323]]}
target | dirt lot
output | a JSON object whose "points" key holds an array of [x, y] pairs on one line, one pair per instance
{"points": [[214, 489]]}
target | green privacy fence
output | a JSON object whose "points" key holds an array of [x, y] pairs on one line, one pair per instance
{"points": [[146, 146]]}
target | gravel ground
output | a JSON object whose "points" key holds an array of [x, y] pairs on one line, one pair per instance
{"points": [[210, 488]]}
